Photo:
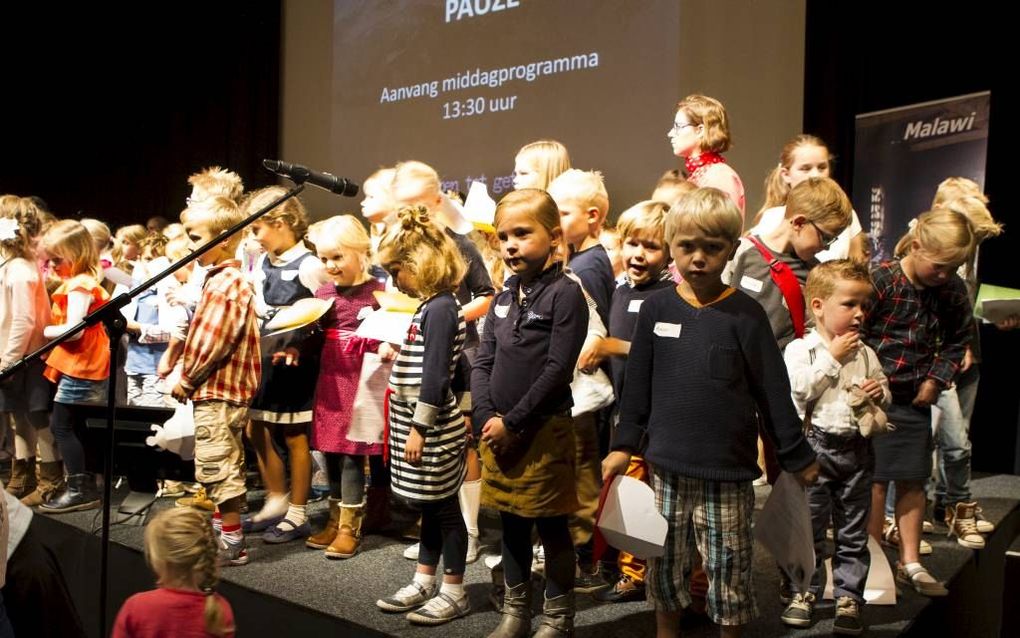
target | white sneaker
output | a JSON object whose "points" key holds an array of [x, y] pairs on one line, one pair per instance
{"points": [[984, 526], [407, 597], [411, 553], [472, 549], [440, 609]]}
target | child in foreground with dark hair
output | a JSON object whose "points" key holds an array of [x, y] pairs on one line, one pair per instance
{"points": [[701, 353]]}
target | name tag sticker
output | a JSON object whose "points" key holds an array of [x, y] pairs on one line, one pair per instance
{"points": [[664, 329], [502, 311], [750, 283], [635, 305]]}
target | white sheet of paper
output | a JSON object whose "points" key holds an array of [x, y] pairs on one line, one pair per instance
{"points": [[995, 310], [367, 414], [630, 521], [880, 588], [385, 325], [784, 528]]}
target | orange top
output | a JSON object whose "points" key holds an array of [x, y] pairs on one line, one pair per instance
{"points": [[87, 357]]}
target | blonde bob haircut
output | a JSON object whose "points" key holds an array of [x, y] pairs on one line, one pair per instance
{"points": [[406, 174], [342, 232], [709, 113], [643, 219], [549, 157], [944, 236], [290, 213], [536, 203], [217, 182], [955, 187], [706, 209], [71, 241], [586, 188], [423, 250], [823, 278], [29, 218], [821, 201], [181, 547]]}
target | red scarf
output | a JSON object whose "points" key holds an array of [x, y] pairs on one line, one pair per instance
{"points": [[695, 163]]}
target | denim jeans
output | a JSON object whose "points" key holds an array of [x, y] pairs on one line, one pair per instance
{"points": [[951, 419]]}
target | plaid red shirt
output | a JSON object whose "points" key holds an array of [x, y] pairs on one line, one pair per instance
{"points": [[222, 358], [918, 333]]}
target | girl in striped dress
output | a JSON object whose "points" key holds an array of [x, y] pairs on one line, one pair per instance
{"points": [[426, 428]]}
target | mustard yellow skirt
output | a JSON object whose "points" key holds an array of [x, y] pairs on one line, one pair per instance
{"points": [[534, 478]]}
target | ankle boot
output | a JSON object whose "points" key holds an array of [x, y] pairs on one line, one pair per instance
{"points": [[81, 494], [557, 617], [516, 619], [377, 509], [348, 537], [323, 539], [23, 480], [50, 483]]}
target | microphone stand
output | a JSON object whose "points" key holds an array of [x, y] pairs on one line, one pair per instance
{"points": [[110, 316]]}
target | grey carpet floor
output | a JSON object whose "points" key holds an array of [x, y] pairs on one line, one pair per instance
{"points": [[349, 588]]}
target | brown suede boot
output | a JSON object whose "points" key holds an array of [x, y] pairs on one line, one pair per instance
{"points": [[377, 509], [323, 539], [50, 483], [23, 480], [348, 538]]}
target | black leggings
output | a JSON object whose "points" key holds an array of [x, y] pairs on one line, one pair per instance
{"points": [[63, 421], [346, 477], [559, 552], [443, 533]]}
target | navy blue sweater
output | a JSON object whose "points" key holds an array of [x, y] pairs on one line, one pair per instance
{"points": [[528, 352], [696, 378]]}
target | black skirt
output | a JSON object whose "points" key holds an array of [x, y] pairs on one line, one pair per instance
{"points": [[905, 453], [286, 394]]}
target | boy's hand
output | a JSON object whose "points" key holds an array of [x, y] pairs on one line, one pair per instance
{"points": [[843, 347], [494, 433], [591, 356], [872, 388], [289, 357], [180, 394], [809, 475], [615, 463], [386, 352], [968, 360], [413, 447], [927, 394]]}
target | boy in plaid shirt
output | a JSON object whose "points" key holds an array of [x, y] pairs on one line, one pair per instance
{"points": [[221, 369]]}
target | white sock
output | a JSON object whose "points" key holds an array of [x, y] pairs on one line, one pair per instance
{"points": [[296, 514], [470, 496], [275, 505], [425, 580], [453, 590]]}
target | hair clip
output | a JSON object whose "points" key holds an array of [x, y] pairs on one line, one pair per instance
{"points": [[208, 591], [8, 228]]}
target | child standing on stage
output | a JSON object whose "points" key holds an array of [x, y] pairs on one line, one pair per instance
{"points": [[521, 388], [343, 247], [646, 260], [537, 164], [24, 313], [825, 367], [920, 327], [290, 365], [426, 427], [221, 368], [180, 547], [703, 353], [80, 366]]}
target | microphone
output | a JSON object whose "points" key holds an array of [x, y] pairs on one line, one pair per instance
{"points": [[302, 174]]}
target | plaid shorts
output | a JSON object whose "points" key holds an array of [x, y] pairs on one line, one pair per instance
{"points": [[713, 518]]}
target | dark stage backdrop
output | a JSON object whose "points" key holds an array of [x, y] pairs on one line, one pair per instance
{"points": [[870, 56], [106, 110]]}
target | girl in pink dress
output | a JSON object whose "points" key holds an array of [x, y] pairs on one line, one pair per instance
{"points": [[343, 246]]}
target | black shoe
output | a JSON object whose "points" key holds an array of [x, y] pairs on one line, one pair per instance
{"points": [[586, 582], [624, 590], [81, 494]]}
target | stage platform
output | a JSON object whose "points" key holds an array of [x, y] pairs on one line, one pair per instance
{"points": [[289, 590]]}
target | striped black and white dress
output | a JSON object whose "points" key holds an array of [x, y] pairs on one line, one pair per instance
{"points": [[420, 393]]}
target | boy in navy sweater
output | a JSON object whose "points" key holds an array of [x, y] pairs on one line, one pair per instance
{"points": [[702, 363]]}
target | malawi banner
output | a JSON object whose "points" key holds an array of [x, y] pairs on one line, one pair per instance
{"points": [[901, 155]]}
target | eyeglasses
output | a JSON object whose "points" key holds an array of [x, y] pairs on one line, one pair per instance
{"points": [[677, 127], [828, 239]]}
